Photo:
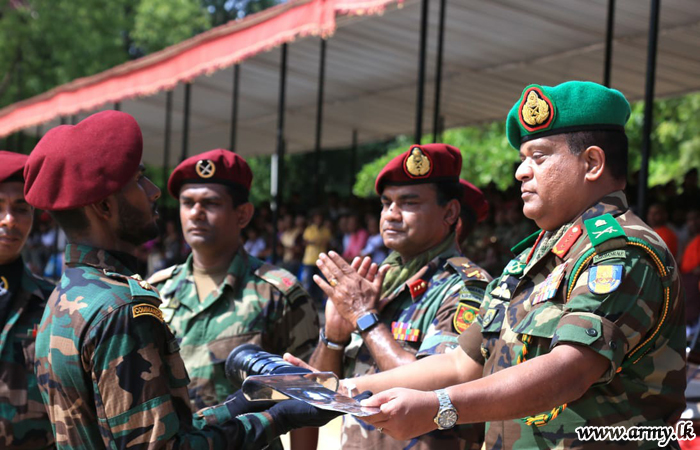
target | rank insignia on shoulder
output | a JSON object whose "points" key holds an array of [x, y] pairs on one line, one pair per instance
{"points": [[604, 279], [145, 309], [417, 288], [402, 331], [464, 316]]}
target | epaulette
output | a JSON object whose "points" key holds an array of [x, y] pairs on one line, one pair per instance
{"points": [[469, 271], [607, 235], [137, 285], [162, 275], [284, 281]]}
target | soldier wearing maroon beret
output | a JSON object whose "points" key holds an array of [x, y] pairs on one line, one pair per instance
{"points": [[24, 422], [475, 209], [423, 297], [109, 367], [222, 297]]}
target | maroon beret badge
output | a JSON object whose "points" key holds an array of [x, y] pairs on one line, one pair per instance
{"points": [[417, 164], [205, 168]]}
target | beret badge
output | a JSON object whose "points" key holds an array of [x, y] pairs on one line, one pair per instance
{"points": [[417, 164], [205, 168], [536, 110]]}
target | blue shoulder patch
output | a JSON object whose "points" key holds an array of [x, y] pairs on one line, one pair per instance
{"points": [[604, 279]]}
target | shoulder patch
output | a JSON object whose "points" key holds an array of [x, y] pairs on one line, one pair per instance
{"points": [[162, 275], [614, 254], [469, 271], [604, 279], [464, 316], [603, 228], [284, 281], [145, 309]]}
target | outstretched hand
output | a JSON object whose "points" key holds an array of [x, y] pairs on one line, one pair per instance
{"points": [[405, 413]]}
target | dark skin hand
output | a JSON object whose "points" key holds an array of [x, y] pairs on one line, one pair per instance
{"points": [[353, 296]]}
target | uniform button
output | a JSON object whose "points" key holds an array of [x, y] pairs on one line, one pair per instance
{"points": [[613, 345], [591, 332], [484, 351]]}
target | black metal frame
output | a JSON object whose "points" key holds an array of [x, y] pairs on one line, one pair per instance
{"points": [[278, 161]]}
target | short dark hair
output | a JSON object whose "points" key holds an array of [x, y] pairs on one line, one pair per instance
{"points": [[72, 221], [447, 191], [614, 144], [237, 193]]}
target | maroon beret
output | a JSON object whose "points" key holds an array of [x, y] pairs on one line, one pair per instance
{"points": [[474, 199], [429, 163], [11, 165], [78, 165], [215, 166]]}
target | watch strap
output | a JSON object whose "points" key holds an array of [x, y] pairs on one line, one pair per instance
{"points": [[367, 321], [330, 344]]}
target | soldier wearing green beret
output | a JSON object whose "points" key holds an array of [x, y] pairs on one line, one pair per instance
{"points": [[585, 326]]}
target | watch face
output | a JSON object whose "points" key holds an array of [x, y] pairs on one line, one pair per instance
{"points": [[366, 321], [447, 418]]}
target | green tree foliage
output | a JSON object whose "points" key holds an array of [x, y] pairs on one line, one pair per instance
{"points": [[487, 157], [161, 23]]}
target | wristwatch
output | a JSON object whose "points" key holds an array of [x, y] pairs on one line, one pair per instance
{"points": [[330, 344], [367, 321], [446, 417]]}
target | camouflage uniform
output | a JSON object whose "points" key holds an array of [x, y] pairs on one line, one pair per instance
{"points": [[110, 371], [257, 303], [423, 314], [24, 423], [529, 302]]}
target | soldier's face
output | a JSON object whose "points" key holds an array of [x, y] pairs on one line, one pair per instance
{"points": [[411, 221], [552, 182], [136, 204], [15, 220], [209, 218]]}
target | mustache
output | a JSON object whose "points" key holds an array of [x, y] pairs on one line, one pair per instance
{"points": [[13, 233], [392, 226]]}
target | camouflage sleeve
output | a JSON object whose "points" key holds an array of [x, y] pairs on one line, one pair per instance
{"points": [[140, 384], [470, 341], [612, 323], [296, 328], [441, 335]]}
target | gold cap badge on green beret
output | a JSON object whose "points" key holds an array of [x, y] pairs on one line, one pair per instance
{"points": [[536, 110]]}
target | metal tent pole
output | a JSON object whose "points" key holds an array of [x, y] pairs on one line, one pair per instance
{"points": [[609, 33], [438, 71], [648, 105], [186, 122], [278, 158], [166, 138], [234, 107], [421, 70], [319, 122]]}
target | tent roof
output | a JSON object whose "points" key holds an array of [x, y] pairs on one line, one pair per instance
{"points": [[492, 50]]}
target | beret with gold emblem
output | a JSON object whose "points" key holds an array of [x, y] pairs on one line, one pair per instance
{"points": [[565, 108], [12, 166], [474, 199], [78, 165], [215, 166], [429, 163]]}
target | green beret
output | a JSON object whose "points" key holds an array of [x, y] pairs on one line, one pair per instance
{"points": [[568, 107]]}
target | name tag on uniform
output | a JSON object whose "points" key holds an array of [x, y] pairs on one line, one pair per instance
{"points": [[548, 288]]}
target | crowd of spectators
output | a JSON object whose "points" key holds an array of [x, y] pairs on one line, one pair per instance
{"points": [[350, 226]]}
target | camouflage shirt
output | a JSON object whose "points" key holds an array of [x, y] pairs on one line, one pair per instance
{"points": [[617, 302], [256, 303], [24, 423], [426, 315], [110, 371]]}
